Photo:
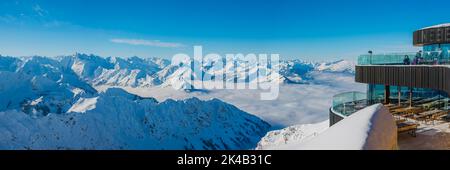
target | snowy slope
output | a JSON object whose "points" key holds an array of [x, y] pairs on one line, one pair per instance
{"points": [[372, 128], [39, 86], [118, 120], [9, 63], [45, 103], [291, 134]]}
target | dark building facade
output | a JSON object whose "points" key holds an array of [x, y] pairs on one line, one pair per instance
{"points": [[400, 78]]}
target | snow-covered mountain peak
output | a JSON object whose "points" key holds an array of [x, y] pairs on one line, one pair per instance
{"points": [[343, 66], [140, 72], [115, 119], [50, 96], [44, 79], [9, 63]]}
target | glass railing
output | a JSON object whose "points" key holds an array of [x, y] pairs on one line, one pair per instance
{"points": [[384, 59], [425, 58], [349, 102], [436, 57]]}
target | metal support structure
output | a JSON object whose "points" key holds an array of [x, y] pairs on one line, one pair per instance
{"points": [[410, 96], [399, 94], [387, 94]]}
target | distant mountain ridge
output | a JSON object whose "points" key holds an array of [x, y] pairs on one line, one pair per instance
{"points": [[116, 119], [149, 72], [342, 66], [49, 103]]}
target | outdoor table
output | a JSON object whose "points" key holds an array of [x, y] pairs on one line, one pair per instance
{"points": [[405, 110], [427, 115]]}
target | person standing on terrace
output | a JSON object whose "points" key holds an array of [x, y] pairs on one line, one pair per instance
{"points": [[406, 60], [436, 61], [418, 58]]}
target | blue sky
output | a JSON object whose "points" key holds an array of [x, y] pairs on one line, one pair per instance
{"points": [[311, 30]]}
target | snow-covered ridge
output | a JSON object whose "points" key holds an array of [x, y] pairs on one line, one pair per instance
{"points": [[139, 72], [46, 104], [115, 71], [116, 119], [290, 135], [372, 128], [39, 86]]}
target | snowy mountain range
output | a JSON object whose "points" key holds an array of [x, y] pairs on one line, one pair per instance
{"points": [[39, 86], [148, 72], [342, 66], [116, 119], [50, 103], [46, 105]]}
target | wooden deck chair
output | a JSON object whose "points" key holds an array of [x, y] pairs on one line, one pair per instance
{"points": [[400, 121], [410, 128]]}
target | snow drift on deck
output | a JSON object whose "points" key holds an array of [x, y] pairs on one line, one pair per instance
{"points": [[372, 128], [291, 135]]}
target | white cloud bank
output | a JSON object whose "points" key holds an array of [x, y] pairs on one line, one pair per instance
{"points": [[152, 43], [296, 103]]}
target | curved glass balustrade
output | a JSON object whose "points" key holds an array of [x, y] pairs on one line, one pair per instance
{"points": [[347, 103], [431, 56], [384, 59]]}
